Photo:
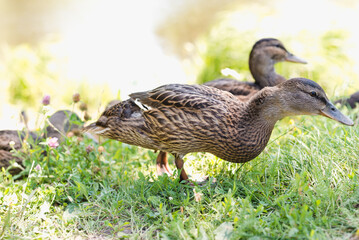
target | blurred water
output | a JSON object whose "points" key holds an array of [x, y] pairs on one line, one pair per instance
{"points": [[101, 41], [115, 42]]}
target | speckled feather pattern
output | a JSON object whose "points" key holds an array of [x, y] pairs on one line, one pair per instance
{"points": [[242, 90], [188, 118]]}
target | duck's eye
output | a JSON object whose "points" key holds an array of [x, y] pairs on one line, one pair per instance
{"points": [[313, 94], [280, 46]]}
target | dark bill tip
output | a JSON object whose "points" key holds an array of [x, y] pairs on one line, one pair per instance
{"points": [[292, 58], [332, 112]]}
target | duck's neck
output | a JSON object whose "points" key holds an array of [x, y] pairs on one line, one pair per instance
{"points": [[262, 69], [255, 123], [267, 106]]}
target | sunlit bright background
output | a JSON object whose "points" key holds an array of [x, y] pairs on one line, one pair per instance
{"points": [[107, 49]]}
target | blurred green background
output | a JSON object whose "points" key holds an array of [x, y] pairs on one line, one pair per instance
{"points": [[108, 49]]}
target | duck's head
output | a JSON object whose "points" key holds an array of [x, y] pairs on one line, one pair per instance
{"points": [[272, 50], [301, 96], [265, 53]]}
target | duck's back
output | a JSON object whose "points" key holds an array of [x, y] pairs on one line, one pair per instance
{"points": [[233, 86]]}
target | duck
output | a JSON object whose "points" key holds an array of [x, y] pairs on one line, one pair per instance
{"points": [[181, 119], [264, 55], [352, 101]]}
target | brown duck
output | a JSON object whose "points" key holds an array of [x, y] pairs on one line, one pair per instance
{"points": [[181, 119], [265, 53]]}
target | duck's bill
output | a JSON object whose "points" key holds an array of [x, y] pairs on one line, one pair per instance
{"points": [[88, 128], [292, 58], [332, 112], [94, 129]]}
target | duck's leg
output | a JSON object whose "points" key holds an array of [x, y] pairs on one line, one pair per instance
{"points": [[179, 164], [162, 164]]}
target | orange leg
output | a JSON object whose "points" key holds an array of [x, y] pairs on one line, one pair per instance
{"points": [[162, 164], [179, 164]]}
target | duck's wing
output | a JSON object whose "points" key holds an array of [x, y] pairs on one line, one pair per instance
{"points": [[183, 96], [153, 118], [233, 86]]}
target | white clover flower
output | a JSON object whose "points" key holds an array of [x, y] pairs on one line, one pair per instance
{"points": [[12, 144]]}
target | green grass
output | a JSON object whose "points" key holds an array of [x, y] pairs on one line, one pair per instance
{"points": [[305, 185]]}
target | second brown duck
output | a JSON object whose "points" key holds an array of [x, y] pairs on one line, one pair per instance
{"points": [[264, 55]]}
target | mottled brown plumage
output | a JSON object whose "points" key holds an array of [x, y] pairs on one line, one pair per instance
{"points": [[181, 119], [265, 53]]}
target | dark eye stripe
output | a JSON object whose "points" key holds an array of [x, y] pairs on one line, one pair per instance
{"points": [[280, 46], [320, 98]]}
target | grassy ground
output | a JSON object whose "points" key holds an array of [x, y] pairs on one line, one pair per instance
{"points": [[305, 185]]}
